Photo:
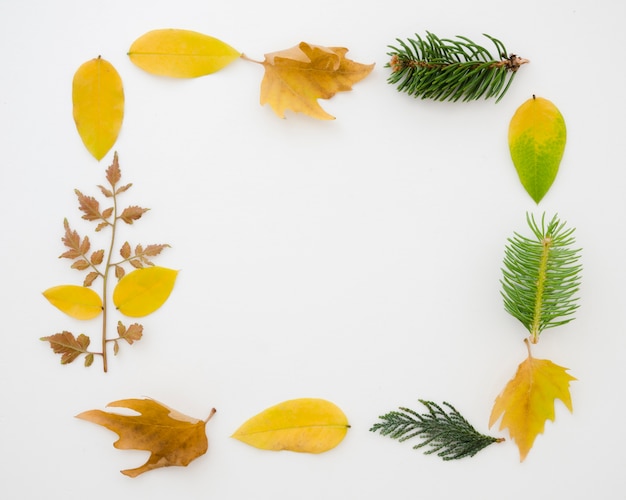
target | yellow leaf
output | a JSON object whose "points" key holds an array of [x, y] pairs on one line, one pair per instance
{"points": [[295, 78], [527, 401], [180, 53], [537, 136], [171, 437], [304, 425], [143, 291], [75, 301], [98, 100]]}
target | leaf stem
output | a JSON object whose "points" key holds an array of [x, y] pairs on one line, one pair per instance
{"points": [[246, 58], [105, 280], [546, 244], [212, 412]]}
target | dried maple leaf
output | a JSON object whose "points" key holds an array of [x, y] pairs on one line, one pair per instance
{"points": [[527, 401], [295, 78], [171, 437]]}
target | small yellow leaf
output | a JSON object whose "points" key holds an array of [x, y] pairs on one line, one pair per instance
{"points": [[75, 301], [537, 136], [527, 401], [295, 78], [180, 53], [143, 291], [98, 100], [304, 425], [173, 439]]}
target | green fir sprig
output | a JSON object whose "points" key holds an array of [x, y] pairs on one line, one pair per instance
{"points": [[541, 276], [444, 69], [448, 434]]}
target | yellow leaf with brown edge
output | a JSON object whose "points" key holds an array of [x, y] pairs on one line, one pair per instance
{"points": [[306, 425], [528, 399], [172, 438], [75, 301], [295, 78], [143, 291], [98, 105], [180, 53]]}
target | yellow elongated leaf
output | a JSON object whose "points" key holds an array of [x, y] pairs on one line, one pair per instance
{"points": [[143, 291], [180, 53], [75, 301], [98, 104], [527, 401], [306, 425], [537, 136]]}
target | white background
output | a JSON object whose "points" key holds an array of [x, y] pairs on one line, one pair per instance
{"points": [[356, 260]]}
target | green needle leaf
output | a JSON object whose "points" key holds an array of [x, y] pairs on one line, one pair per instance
{"points": [[541, 276], [448, 434]]}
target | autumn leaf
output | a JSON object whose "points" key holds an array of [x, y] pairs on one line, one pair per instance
{"points": [[71, 239], [537, 136], [75, 301], [68, 346], [295, 78], [180, 53], [143, 291], [98, 104], [131, 214], [173, 439], [131, 334], [527, 401], [304, 425]]}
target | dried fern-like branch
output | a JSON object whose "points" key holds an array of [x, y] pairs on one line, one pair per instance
{"points": [[448, 434], [444, 69], [541, 276]]}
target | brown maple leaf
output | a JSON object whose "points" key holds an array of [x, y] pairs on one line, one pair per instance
{"points": [[171, 437], [295, 78]]}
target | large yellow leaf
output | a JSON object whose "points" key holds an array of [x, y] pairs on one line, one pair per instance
{"points": [[295, 78], [143, 291], [98, 100], [537, 136], [171, 437], [527, 401], [305, 425], [180, 53], [76, 301]]}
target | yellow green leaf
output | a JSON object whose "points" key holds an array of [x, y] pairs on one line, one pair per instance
{"points": [[180, 53], [98, 100], [75, 301], [143, 291], [295, 78], [537, 136], [527, 401], [306, 425]]}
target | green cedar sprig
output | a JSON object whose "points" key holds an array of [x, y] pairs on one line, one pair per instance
{"points": [[448, 434], [541, 276], [444, 69]]}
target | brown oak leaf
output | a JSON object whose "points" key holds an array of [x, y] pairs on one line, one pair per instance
{"points": [[295, 78], [171, 437]]}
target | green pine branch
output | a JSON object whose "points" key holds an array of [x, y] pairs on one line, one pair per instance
{"points": [[448, 434], [444, 69], [541, 276]]}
